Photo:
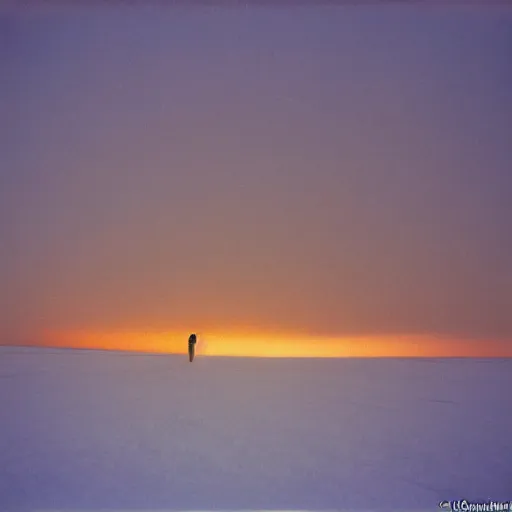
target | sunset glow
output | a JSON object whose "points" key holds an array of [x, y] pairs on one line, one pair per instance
{"points": [[269, 345]]}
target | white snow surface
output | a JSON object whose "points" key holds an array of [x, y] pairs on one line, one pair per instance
{"points": [[93, 430]]}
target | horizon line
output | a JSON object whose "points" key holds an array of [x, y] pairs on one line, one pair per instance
{"points": [[238, 356]]}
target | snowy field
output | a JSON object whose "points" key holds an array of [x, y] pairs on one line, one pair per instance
{"points": [[91, 430]]}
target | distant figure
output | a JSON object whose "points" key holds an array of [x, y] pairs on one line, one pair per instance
{"points": [[191, 346]]}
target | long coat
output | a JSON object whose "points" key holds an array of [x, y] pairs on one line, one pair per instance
{"points": [[191, 347]]}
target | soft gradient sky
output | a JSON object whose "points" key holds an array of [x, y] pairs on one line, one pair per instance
{"points": [[315, 173]]}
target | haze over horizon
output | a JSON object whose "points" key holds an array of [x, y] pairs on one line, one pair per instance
{"points": [[322, 180]]}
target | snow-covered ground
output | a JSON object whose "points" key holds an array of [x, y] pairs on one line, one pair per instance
{"points": [[91, 430]]}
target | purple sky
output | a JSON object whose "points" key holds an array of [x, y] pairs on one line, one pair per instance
{"points": [[330, 170]]}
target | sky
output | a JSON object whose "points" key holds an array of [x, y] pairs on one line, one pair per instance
{"points": [[318, 180]]}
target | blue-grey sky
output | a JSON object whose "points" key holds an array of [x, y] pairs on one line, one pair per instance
{"points": [[336, 170]]}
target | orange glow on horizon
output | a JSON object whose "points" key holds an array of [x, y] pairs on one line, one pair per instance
{"points": [[272, 345]]}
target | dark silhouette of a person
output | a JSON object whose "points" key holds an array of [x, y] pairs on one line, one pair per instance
{"points": [[191, 346]]}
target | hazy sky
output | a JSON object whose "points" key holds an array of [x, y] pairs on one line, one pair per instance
{"points": [[326, 170]]}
